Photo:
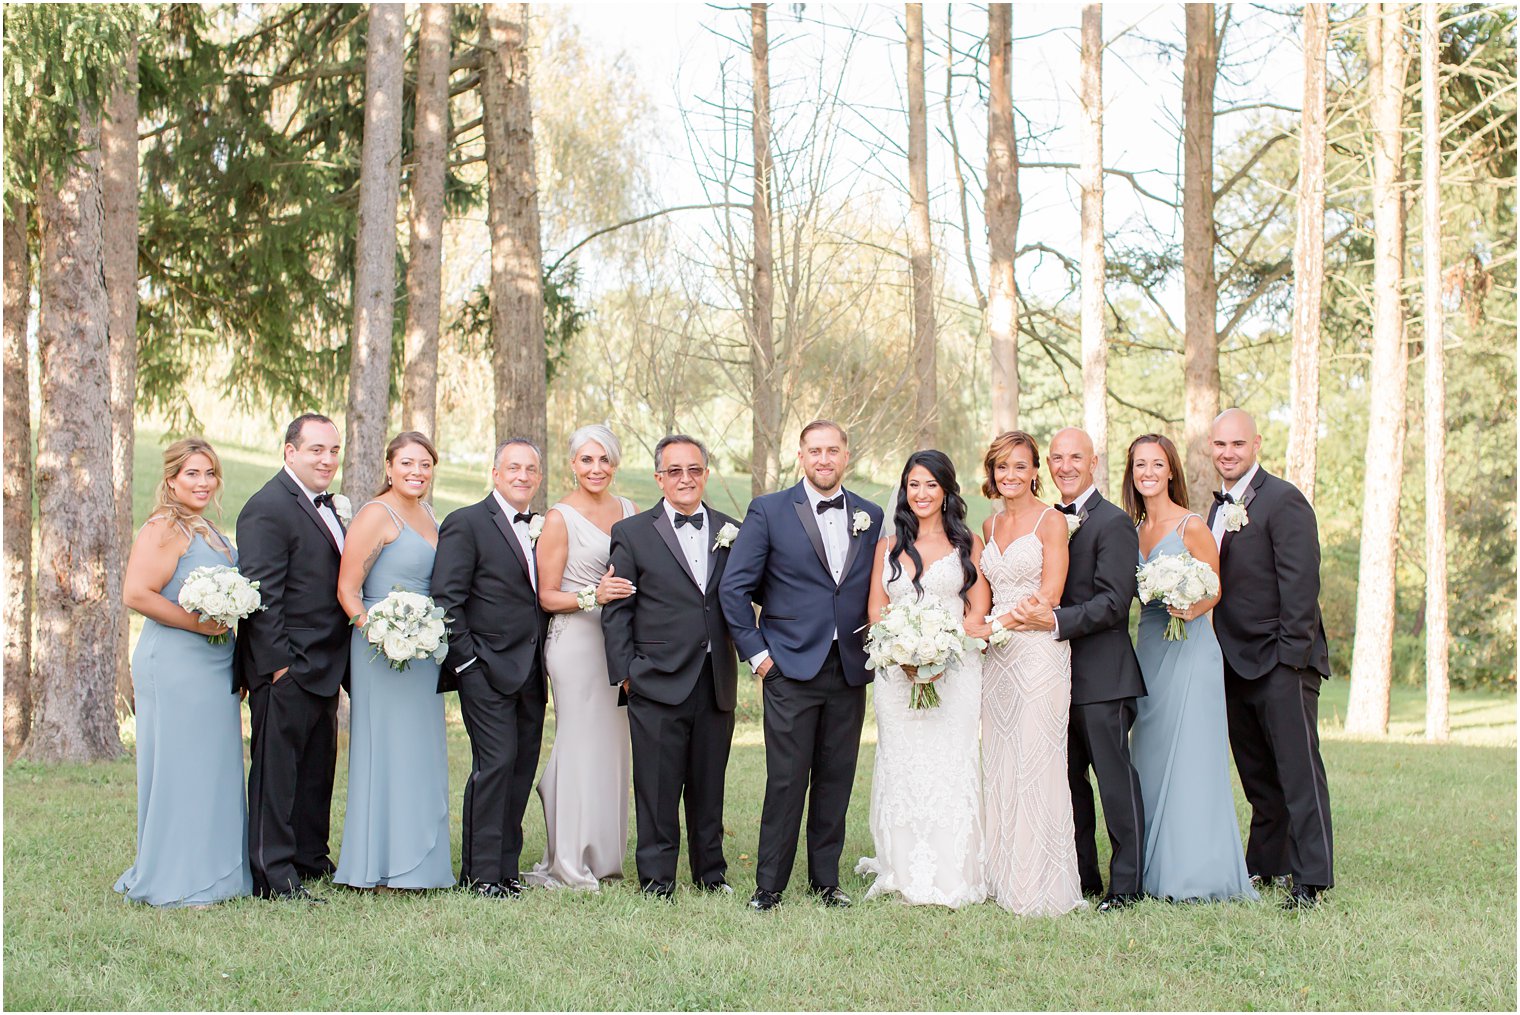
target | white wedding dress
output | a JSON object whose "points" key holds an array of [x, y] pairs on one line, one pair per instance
{"points": [[926, 793]]}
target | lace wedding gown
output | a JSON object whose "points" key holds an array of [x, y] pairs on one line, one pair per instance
{"points": [[926, 793], [1026, 705]]}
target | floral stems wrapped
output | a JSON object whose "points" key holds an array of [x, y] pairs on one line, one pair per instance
{"points": [[922, 640], [220, 594], [405, 626], [1179, 580]]}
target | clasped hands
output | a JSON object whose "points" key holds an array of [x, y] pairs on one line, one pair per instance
{"points": [[1032, 613], [611, 588]]}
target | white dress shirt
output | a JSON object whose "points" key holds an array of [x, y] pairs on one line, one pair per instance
{"points": [[694, 542], [1080, 502], [326, 512], [834, 527], [1237, 492], [520, 530]]}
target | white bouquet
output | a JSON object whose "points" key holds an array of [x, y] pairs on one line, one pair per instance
{"points": [[405, 626], [1179, 580], [922, 639], [220, 594]]}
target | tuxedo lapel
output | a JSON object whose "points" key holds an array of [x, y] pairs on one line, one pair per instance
{"points": [[667, 532], [1245, 499], [311, 510], [505, 526], [716, 523], [809, 519], [855, 537]]}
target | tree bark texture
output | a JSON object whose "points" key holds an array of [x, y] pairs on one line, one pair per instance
{"points": [[369, 373], [1372, 653], [518, 358], [18, 482], [920, 255], [1094, 257], [1002, 220], [74, 716], [1200, 367], [765, 395], [424, 265], [1309, 257]]}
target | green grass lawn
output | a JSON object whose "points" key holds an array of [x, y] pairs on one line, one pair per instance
{"points": [[1424, 915]]}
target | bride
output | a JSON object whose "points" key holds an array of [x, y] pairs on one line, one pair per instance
{"points": [[926, 794]]}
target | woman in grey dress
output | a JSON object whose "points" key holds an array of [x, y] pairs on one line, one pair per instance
{"points": [[396, 824], [584, 787], [1180, 742], [192, 815]]}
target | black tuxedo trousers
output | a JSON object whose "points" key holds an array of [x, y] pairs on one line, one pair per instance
{"points": [[293, 754]]}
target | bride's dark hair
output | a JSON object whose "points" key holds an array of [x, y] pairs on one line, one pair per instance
{"points": [[906, 522]]}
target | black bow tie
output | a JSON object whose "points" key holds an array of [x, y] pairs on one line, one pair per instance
{"points": [[837, 502], [1223, 498], [324, 500], [695, 521], [1067, 509], [522, 516]]}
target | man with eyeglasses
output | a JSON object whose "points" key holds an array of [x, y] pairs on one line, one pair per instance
{"points": [[670, 649]]}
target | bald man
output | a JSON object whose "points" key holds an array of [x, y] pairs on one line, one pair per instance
{"points": [[1273, 640]]}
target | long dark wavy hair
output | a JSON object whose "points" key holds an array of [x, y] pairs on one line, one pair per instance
{"points": [[906, 522]]}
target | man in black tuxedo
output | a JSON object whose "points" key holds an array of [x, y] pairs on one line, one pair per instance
{"points": [[805, 556], [486, 579], [1273, 640], [292, 656], [669, 647], [1093, 618]]}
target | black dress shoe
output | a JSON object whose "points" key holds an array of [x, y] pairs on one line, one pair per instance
{"points": [[1114, 903], [763, 900], [299, 894], [832, 897], [488, 890], [1263, 882], [718, 887], [1095, 894], [659, 890], [1302, 896], [512, 887]]}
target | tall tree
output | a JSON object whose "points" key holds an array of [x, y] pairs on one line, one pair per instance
{"points": [[920, 254], [518, 358], [1437, 636], [1094, 260], [424, 266], [765, 398], [1372, 653], [1002, 219], [118, 170], [1200, 368], [18, 478], [369, 375], [1308, 257]]}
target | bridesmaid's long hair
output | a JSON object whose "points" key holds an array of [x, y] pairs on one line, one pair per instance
{"points": [[166, 505], [906, 522], [400, 441], [1176, 485]]}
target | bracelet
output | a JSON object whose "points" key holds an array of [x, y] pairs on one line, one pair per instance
{"points": [[585, 599]]}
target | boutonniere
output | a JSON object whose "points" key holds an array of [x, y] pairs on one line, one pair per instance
{"points": [[726, 535], [535, 529], [860, 523], [1073, 523], [343, 508], [1235, 517]]}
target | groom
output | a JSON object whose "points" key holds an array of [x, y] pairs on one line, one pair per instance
{"points": [[804, 555]]}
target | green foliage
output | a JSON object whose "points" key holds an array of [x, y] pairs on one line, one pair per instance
{"points": [[564, 319]]}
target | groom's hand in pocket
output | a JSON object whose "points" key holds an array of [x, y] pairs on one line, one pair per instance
{"points": [[278, 674]]}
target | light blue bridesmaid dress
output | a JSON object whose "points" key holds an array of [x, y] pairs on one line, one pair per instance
{"points": [[396, 826], [192, 811], [1180, 747]]}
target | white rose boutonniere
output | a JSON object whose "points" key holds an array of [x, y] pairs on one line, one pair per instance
{"points": [[535, 529], [860, 523], [726, 535], [1235, 517], [343, 508], [1073, 523]]}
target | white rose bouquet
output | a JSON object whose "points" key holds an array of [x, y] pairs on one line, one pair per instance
{"points": [[405, 626], [220, 594], [922, 639], [1179, 580]]}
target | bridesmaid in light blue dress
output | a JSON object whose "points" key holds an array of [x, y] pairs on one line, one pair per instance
{"points": [[1180, 740], [192, 814], [396, 825]]}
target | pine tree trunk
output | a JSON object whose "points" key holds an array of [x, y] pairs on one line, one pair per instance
{"points": [[1200, 366], [1002, 220], [920, 256], [1372, 653], [424, 266], [1094, 258], [765, 410], [1437, 636], [1309, 257], [75, 648], [518, 359], [118, 171], [18, 483]]}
